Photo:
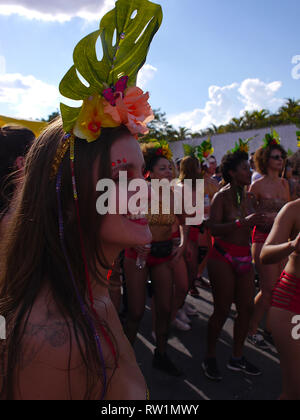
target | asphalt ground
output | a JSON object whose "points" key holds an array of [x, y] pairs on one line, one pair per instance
{"points": [[187, 351]]}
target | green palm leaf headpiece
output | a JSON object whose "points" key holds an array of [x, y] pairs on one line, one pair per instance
{"points": [[109, 93]]}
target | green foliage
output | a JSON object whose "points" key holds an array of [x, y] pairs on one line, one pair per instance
{"points": [[124, 57], [160, 129]]}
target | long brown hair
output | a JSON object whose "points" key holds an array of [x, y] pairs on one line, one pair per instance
{"points": [[33, 256], [189, 169], [262, 157]]}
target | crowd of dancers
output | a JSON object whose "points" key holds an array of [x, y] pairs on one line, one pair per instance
{"points": [[243, 197]]}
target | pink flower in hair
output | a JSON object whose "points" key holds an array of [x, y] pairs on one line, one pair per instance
{"points": [[132, 110]]}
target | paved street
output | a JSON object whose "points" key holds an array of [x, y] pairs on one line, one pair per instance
{"points": [[187, 350]]}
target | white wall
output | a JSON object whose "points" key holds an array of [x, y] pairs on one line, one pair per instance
{"points": [[224, 142]]}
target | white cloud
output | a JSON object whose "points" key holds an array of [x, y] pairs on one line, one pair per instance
{"points": [[56, 10], [146, 74], [230, 101], [257, 94], [27, 97]]}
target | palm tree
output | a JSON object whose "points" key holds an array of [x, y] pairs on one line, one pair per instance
{"points": [[183, 133], [290, 111]]}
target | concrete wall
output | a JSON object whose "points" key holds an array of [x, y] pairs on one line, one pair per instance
{"points": [[224, 142]]}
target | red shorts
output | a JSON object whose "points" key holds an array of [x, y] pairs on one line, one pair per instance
{"points": [[259, 237], [286, 294], [235, 252], [151, 261]]}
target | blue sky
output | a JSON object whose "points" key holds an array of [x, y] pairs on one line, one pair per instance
{"points": [[209, 62]]}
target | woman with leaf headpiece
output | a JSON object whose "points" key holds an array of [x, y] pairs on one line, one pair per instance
{"points": [[64, 338], [158, 258], [230, 269], [272, 193]]}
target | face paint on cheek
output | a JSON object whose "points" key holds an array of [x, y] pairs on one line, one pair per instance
{"points": [[118, 162]]}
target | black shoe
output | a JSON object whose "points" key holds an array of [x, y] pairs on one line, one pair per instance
{"points": [[163, 363], [211, 370], [243, 366], [258, 341]]}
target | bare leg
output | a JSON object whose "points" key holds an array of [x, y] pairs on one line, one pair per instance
{"points": [[280, 323], [244, 300], [136, 290], [180, 279], [191, 260], [204, 241], [222, 280], [161, 276]]}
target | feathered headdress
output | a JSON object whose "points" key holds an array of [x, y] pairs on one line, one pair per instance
{"points": [[205, 151], [158, 148], [271, 139], [242, 145]]}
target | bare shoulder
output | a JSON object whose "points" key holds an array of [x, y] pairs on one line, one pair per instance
{"points": [[223, 192], [257, 185], [293, 208], [290, 211]]}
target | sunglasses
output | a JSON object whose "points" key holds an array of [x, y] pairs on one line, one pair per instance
{"points": [[277, 157]]}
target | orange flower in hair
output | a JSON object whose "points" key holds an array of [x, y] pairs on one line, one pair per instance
{"points": [[133, 110]]}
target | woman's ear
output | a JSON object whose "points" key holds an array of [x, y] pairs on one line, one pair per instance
{"points": [[20, 162]]}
